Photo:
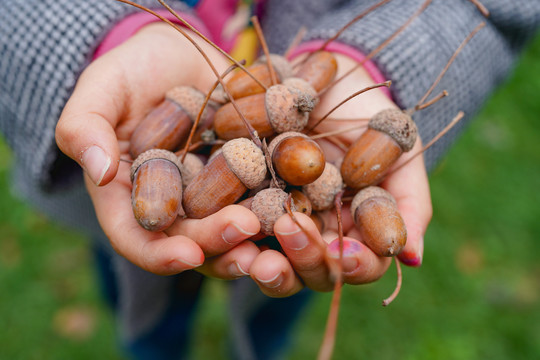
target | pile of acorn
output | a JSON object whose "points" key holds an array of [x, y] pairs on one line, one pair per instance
{"points": [[265, 160]]}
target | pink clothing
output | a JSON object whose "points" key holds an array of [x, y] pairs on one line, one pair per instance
{"points": [[212, 16]]}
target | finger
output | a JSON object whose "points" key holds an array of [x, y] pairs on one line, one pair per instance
{"points": [[232, 264], [360, 264], [410, 187], [86, 128], [305, 250], [274, 274], [154, 252], [218, 232]]}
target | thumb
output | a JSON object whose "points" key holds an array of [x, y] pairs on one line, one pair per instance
{"points": [[85, 131]]}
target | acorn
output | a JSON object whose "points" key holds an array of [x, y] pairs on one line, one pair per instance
{"points": [[168, 125], [269, 205], [282, 108], [322, 191], [381, 226], [319, 70], [241, 85], [390, 133], [238, 166], [156, 196], [301, 202], [296, 158]]}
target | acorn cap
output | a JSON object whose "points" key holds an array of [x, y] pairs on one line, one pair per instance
{"points": [[150, 155], [275, 141], [322, 191], [246, 161], [269, 205], [190, 167], [303, 87], [281, 65], [219, 95], [189, 99], [398, 125], [368, 193], [287, 108]]}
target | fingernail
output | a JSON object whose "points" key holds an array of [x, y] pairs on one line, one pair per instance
{"points": [[350, 248], [294, 240], [236, 270], [234, 234], [183, 264], [273, 282], [413, 257], [96, 163], [350, 251]]}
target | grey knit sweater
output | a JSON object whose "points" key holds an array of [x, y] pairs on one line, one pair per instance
{"points": [[45, 44]]}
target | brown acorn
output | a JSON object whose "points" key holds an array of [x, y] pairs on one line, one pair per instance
{"points": [[241, 85], [168, 125], [156, 196], [301, 202], [381, 226], [269, 205], [240, 165], [296, 158], [322, 191], [390, 133], [319, 70], [282, 108]]}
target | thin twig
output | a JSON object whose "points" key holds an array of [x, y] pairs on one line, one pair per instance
{"points": [[454, 121], [427, 104], [386, 83], [296, 40], [201, 111], [337, 132], [395, 293], [250, 128], [380, 47], [452, 58], [345, 27], [481, 7], [189, 26], [329, 339], [264, 46]]}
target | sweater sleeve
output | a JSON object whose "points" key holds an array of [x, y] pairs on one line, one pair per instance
{"points": [[414, 59], [45, 45]]}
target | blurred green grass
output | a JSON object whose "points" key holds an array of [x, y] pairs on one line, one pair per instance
{"points": [[476, 296]]}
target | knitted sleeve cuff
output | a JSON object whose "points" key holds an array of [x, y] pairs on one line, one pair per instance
{"points": [[134, 22], [344, 49]]}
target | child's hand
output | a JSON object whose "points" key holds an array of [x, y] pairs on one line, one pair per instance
{"points": [[308, 260], [113, 94]]}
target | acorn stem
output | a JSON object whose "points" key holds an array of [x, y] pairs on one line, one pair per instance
{"points": [[450, 61], [454, 121], [395, 293], [224, 53], [329, 339], [262, 40], [337, 132], [345, 27], [386, 83], [296, 40], [252, 134], [481, 7], [201, 111], [427, 104], [381, 46]]}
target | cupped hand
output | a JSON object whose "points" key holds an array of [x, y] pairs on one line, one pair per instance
{"points": [[112, 96], [310, 258]]}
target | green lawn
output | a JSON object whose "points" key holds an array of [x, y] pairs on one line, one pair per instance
{"points": [[477, 295]]}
